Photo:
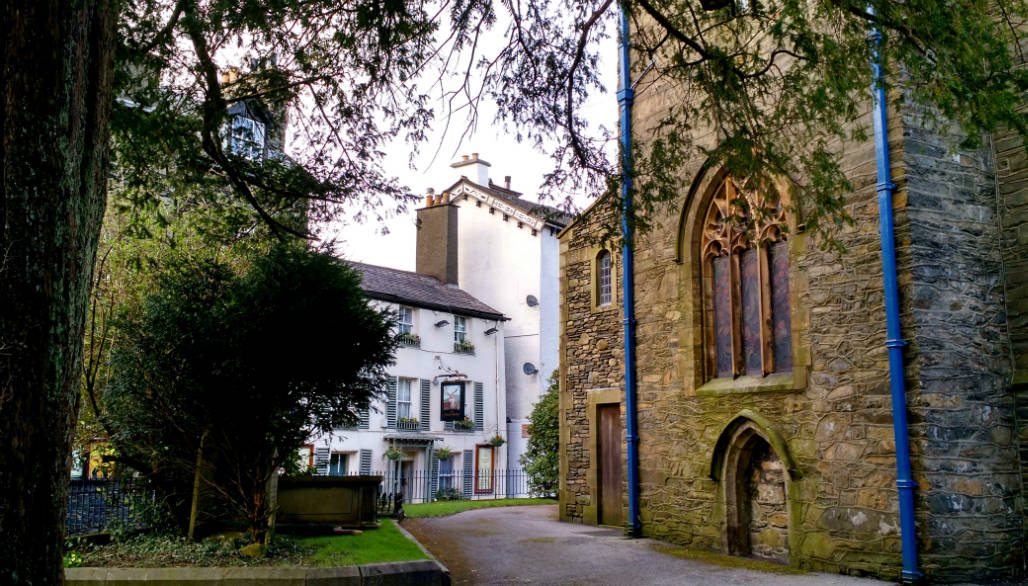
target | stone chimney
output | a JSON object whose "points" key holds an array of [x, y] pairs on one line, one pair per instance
{"points": [[436, 250], [477, 169]]}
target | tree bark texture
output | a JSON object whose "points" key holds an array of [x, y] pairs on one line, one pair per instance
{"points": [[56, 89]]}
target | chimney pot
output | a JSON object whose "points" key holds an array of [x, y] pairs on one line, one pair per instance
{"points": [[428, 200], [465, 157], [430, 191], [474, 156], [506, 181]]}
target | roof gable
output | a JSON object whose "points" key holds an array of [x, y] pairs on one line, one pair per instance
{"points": [[534, 215]]}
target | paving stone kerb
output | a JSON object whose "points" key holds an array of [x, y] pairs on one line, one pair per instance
{"points": [[416, 573]]}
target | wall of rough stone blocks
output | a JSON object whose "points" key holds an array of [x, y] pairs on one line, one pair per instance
{"points": [[592, 354], [963, 410], [836, 416], [1011, 167]]}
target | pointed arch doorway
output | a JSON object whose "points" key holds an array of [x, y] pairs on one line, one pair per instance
{"points": [[755, 485]]}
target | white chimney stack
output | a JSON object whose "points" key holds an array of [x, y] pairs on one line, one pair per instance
{"points": [[477, 169]]}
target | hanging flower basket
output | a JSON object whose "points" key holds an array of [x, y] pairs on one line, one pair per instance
{"points": [[393, 454], [497, 440]]}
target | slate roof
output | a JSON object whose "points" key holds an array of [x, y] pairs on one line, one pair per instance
{"points": [[386, 284]]}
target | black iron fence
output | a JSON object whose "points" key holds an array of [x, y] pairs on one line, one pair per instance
{"points": [[96, 505], [422, 486]]}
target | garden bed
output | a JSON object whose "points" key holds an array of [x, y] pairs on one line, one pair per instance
{"points": [[385, 544]]}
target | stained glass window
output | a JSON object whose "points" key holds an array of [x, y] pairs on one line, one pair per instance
{"points": [[745, 256]]}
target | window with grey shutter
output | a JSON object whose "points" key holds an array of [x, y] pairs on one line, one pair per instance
{"points": [[321, 459], [365, 468], [469, 472], [434, 478], [364, 419], [391, 402], [479, 408], [426, 404]]}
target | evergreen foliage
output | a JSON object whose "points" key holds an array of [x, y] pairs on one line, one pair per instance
{"points": [[767, 90], [238, 371], [771, 87], [542, 458]]}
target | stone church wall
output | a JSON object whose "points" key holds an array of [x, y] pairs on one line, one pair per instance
{"points": [[963, 412], [830, 422], [592, 355]]}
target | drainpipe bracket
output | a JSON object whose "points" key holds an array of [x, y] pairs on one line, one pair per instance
{"points": [[895, 343], [626, 96], [911, 576], [906, 484], [886, 186]]}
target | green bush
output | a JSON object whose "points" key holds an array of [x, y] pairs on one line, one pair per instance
{"points": [[540, 460]]}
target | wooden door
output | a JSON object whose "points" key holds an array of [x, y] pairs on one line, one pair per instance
{"points": [[610, 465]]}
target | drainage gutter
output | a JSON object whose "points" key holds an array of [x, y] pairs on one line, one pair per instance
{"points": [[894, 341], [626, 96]]}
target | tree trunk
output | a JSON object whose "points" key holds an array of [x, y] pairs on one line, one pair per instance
{"points": [[194, 507], [56, 87]]}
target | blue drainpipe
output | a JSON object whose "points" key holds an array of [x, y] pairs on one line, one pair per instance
{"points": [[894, 342], [625, 96]]}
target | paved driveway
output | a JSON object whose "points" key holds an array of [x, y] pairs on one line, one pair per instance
{"points": [[527, 545]]}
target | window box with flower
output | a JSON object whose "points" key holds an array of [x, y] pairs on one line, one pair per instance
{"points": [[407, 423], [464, 425], [409, 339], [464, 347]]}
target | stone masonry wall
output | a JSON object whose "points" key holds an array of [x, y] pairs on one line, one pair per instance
{"points": [[768, 514], [1012, 204], [834, 415], [962, 408], [592, 358]]}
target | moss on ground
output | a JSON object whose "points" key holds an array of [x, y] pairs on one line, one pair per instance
{"points": [[728, 561]]}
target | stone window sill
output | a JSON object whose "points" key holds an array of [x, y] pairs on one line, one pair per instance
{"points": [[783, 381]]}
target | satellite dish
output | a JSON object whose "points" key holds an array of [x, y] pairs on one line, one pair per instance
{"points": [[531, 301], [529, 368]]}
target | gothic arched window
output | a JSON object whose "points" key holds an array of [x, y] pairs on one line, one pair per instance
{"points": [[745, 255]]}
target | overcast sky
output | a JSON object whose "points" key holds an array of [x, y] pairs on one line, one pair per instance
{"points": [[392, 243]]}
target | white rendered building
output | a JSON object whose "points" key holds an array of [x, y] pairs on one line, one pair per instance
{"points": [[487, 240], [449, 366]]}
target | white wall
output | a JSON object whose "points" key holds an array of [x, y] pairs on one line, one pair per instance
{"points": [[435, 357], [502, 264]]}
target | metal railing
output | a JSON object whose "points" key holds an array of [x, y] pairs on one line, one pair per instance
{"points": [[96, 505], [418, 486], [409, 424]]}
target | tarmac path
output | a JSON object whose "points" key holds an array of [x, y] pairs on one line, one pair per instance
{"points": [[527, 545]]}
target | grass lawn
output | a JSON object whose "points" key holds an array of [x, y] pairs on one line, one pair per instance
{"points": [[385, 544], [441, 508]]}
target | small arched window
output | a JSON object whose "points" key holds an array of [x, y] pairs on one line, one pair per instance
{"points": [[745, 255], [603, 280]]}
